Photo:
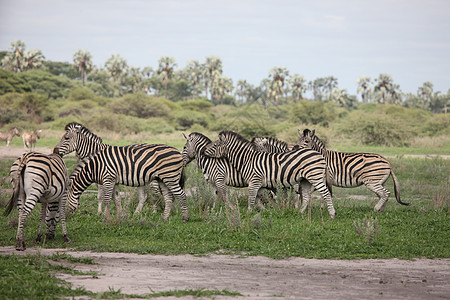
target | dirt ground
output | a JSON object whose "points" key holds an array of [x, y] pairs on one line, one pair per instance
{"points": [[256, 277], [261, 277]]}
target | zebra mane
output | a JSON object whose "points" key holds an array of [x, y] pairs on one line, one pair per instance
{"points": [[83, 130], [314, 138], [239, 138], [201, 136], [276, 142]]}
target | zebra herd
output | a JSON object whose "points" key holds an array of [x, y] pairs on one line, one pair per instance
{"points": [[231, 160], [29, 138]]}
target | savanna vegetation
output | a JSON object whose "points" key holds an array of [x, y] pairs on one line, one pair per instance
{"points": [[124, 105]]}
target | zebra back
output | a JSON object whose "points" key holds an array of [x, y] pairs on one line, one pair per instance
{"points": [[270, 144], [79, 139]]}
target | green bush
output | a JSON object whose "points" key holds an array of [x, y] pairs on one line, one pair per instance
{"points": [[83, 93], [313, 113], [437, 125], [187, 118], [140, 105]]}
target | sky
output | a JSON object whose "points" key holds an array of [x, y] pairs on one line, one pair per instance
{"points": [[347, 39]]}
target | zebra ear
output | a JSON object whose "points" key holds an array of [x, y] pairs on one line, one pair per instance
{"points": [[313, 132], [185, 136], [300, 133]]}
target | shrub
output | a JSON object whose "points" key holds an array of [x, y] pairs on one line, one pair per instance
{"points": [[81, 94], [314, 113], [187, 118], [437, 125], [140, 105]]}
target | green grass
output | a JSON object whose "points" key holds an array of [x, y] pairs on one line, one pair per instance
{"points": [[279, 231]]}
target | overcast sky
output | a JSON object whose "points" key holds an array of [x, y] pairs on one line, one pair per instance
{"points": [[408, 39]]}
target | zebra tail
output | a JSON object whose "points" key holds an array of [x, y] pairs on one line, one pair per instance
{"points": [[329, 183], [182, 179], [396, 188], [15, 196]]}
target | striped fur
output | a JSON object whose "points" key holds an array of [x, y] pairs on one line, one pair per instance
{"points": [[355, 169], [9, 135], [271, 170], [41, 178], [134, 165], [85, 143]]}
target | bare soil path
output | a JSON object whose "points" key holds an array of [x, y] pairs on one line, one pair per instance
{"points": [[260, 277]]}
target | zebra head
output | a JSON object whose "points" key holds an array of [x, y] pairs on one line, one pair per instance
{"points": [[261, 144], [15, 131], [308, 139], [219, 148], [195, 144], [68, 142]]}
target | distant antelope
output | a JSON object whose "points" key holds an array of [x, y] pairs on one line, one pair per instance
{"points": [[8, 135], [30, 139]]}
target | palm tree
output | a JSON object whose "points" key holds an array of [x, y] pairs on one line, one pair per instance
{"points": [[241, 89], [425, 92], [83, 61], [13, 61], [32, 59], [297, 84], [331, 83], [364, 88], [222, 86], [135, 78], [383, 87], [116, 66], [317, 86], [211, 70], [340, 97], [193, 73], [165, 70], [278, 76]]}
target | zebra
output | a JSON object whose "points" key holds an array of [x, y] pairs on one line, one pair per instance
{"points": [[217, 171], [80, 139], [37, 177], [133, 165], [30, 138], [355, 169], [9, 135], [261, 169]]}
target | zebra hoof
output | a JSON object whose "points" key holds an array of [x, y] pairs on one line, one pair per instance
{"points": [[67, 240], [20, 246], [185, 219], [37, 239], [50, 236]]}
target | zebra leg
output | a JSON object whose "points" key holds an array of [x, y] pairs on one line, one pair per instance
{"points": [[51, 219], [168, 200], [142, 192], [41, 223], [62, 210], [24, 210], [117, 200], [382, 193], [325, 193], [156, 191], [180, 195], [99, 197], [108, 190], [253, 189]]}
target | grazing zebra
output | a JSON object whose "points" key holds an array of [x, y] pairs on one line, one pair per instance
{"points": [[355, 169], [261, 169], [217, 171], [30, 138], [134, 165], [85, 143], [37, 177], [8, 135]]}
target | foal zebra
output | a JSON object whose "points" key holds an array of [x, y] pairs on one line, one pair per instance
{"points": [[261, 169], [355, 169], [8, 135], [134, 165], [85, 143], [41, 178]]}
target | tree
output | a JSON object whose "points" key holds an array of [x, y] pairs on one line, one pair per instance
{"points": [[116, 66], [277, 75], [297, 86], [193, 73], [318, 86], [241, 89], [364, 88], [383, 88], [212, 69], [331, 83], [165, 70], [13, 61], [83, 61], [425, 92], [222, 86], [341, 98], [134, 79]]}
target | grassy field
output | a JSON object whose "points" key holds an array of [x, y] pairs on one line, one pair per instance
{"points": [[279, 231]]}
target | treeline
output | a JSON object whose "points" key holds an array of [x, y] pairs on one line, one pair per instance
{"points": [[37, 93], [206, 80]]}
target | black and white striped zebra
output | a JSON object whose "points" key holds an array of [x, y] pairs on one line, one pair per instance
{"points": [[355, 169], [134, 165], [270, 170], [37, 177], [217, 171], [85, 143]]}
